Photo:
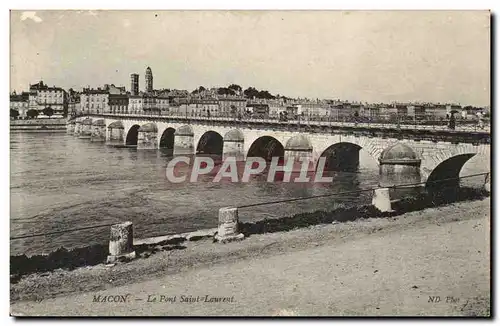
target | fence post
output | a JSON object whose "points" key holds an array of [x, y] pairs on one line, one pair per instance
{"points": [[228, 225], [121, 242]]}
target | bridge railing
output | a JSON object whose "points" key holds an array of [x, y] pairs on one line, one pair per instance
{"points": [[305, 121]]}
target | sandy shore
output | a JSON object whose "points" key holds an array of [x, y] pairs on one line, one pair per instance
{"points": [[386, 266]]}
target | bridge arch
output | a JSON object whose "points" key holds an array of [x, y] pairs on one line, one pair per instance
{"points": [[342, 156], [132, 135], [211, 142], [167, 139], [266, 147], [446, 174]]}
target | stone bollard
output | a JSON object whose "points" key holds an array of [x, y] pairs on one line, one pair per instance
{"points": [[381, 200], [487, 182], [228, 225], [121, 242]]}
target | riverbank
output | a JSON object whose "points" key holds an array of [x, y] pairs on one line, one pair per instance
{"points": [[39, 125], [365, 267]]}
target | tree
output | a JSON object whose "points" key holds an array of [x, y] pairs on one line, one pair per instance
{"points": [[225, 91], [48, 111], [32, 113], [250, 92], [14, 113], [265, 95], [236, 88], [198, 90]]}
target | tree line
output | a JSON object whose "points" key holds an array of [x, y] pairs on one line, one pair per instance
{"points": [[234, 89], [32, 113]]}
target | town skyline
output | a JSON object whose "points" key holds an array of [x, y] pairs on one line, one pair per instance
{"points": [[110, 48]]}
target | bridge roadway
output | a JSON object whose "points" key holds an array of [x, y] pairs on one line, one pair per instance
{"points": [[427, 152]]}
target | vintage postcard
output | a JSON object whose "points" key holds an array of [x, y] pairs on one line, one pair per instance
{"points": [[250, 163]]}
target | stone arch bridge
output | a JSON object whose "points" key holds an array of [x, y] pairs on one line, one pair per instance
{"points": [[426, 154]]}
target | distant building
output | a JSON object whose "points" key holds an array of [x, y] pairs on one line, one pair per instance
{"points": [[116, 90], [20, 103], [94, 100], [196, 107], [42, 96], [147, 103], [231, 104], [74, 107], [258, 109], [370, 111], [315, 109], [436, 111], [118, 103], [401, 109]]}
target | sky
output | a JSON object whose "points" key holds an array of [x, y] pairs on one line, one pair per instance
{"points": [[368, 56]]}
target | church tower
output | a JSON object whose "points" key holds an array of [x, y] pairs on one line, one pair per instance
{"points": [[149, 80]]}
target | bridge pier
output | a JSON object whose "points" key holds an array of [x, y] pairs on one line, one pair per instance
{"points": [[147, 137], [147, 140], [115, 135], [70, 128], [98, 131], [399, 165], [396, 173], [297, 149], [234, 148], [77, 129], [183, 141], [86, 129]]}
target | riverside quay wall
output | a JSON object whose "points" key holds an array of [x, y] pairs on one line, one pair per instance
{"points": [[39, 125]]}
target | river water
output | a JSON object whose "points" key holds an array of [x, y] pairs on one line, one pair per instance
{"points": [[59, 182]]}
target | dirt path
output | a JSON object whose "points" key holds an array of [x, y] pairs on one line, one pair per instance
{"points": [[390, 268]]}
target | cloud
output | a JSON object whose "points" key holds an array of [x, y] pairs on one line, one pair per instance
{"points": [[87, 12], [31, 15]]}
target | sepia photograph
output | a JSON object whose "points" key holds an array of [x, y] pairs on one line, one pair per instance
{"points": [[260, 163]]}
